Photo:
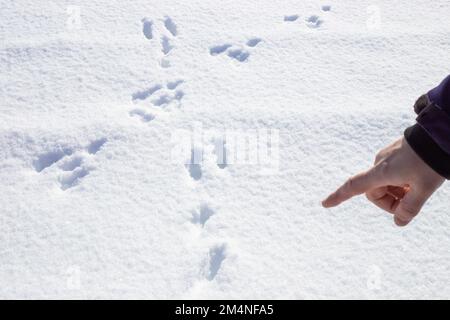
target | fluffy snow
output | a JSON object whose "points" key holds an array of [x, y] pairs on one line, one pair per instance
{"points": [[93, 93]]}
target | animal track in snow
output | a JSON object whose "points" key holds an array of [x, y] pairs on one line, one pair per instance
{"points": [[143, 115], [174, 84], [142, 95], [168, 31], [314, 21], [170, 26], [161, 100], [73, 178], [147, 28], [253, 42], [96, 145], [217, 255], [291, 18], [221, 152], [166, 47], [219, 49], [159, 95], [239, 53], [71, 163], [47, 159], [194, 168], [202, 215]]}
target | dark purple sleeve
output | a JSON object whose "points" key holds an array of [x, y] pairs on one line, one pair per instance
{"points": [[441, 94], [430, 136]]}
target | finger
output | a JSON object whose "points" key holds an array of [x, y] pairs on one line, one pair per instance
{"points": [[382, 199], [395, 191], [356, 185], [410, 206], [376, 193]]}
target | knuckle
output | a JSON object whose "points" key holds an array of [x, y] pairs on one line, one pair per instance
{"points": [[382, 155], [383, 168], [349, 184], [378, 157]]}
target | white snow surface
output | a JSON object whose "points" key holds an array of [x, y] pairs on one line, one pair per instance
{"points": [[92, 204]]}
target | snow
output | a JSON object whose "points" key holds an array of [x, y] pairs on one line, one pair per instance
{"points": [[94, 96]]}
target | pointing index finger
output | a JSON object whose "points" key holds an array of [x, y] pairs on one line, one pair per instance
{"points": [[356, 185]]}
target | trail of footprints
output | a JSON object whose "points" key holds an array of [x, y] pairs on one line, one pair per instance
{"points": [[313, 21], [167, 31], [239, 52], [72, 164], [160, 96], [217, 254], [194, 167]]}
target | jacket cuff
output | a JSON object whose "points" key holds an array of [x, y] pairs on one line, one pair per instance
{"points": [[428, 150], [436, 122]]}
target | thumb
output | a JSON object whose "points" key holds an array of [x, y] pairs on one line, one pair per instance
{"points": [[410, 206]]}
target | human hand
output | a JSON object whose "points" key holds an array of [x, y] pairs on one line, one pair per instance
{"points": [[399, 183]]}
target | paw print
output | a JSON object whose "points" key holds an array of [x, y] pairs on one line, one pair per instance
{"points": [[72, 165]]}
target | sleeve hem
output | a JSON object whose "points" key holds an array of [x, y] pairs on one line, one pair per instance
{"points": [[428, 150]]}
